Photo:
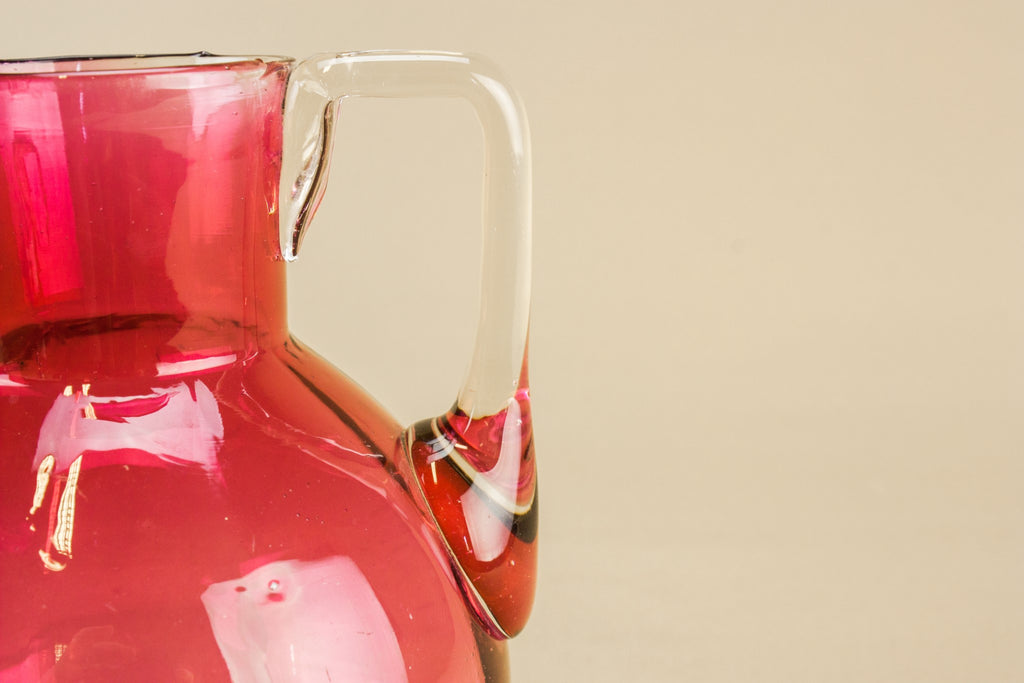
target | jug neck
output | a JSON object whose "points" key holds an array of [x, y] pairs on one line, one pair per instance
{"points": [[138, 217]]}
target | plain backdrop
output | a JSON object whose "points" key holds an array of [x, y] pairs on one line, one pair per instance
{"points": [[778, 329]]}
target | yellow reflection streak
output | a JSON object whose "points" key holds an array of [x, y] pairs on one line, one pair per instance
{"points": [[42, 482], [50, 563], [66, 512]]}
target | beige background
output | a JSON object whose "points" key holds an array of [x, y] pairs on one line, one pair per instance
{"points": [[778, 332]]}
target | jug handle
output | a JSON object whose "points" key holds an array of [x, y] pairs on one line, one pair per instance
{"points": [[474, 465], [316, 88]]}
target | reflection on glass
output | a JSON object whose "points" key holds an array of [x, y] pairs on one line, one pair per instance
{"points": [[177, 425], [304, 621], [480, 480], [42, 482]]}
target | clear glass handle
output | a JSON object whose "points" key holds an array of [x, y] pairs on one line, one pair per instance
{"points": [[317, 86], [474, 464]]}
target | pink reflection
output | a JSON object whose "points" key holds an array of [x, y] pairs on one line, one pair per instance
{"points": [[177, 425], [488, 532], [304, 621], [33, 158], [174, 425]]}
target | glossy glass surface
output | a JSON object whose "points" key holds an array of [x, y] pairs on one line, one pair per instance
{"points": [[187, 493], [480, 482]]}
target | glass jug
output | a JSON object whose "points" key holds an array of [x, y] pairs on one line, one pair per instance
{"points": [[187, 493]]}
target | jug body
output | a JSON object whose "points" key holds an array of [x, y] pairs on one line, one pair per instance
{"points": [[242, 524], [187, 493]]}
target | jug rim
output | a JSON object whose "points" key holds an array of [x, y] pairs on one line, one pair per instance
{"points": [[119, 63]]}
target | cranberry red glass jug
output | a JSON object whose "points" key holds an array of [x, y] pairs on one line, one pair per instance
{"points": [[187, 493]]}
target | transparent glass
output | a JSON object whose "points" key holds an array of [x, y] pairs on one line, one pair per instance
{"points": [[186, 491]]}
